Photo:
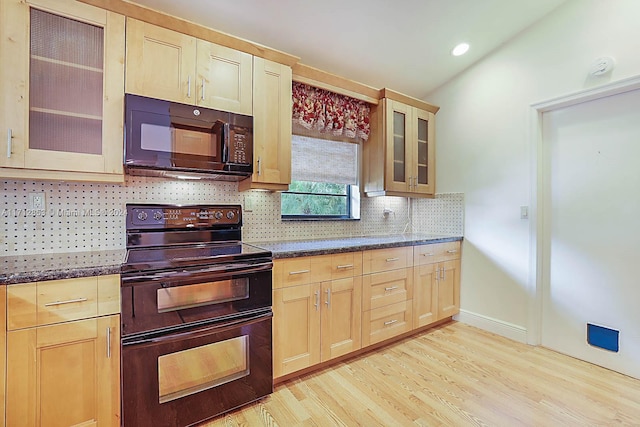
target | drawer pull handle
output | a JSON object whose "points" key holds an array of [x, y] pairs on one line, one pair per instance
{"points": [[69, 301], [393, 259], [429, 254], [291, 273], [317, 303], [390, 288], [390, 322], [452, 251], [340, 267]]}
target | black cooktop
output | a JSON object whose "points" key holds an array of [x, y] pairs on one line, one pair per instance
{"points": [[143, 259]]}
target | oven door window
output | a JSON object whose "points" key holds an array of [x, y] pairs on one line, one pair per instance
{"points": [[191, 371], [200, 294]]}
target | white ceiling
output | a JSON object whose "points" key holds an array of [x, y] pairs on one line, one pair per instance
{"points": [[403, 45]]}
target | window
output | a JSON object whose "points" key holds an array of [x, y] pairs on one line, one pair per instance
{"points": [[324, 180]]}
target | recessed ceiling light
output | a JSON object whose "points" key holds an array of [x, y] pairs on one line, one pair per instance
{"points": [[460, 49]]}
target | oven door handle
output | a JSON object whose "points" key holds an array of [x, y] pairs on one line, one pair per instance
{"points": [[221, 269], [200, 331]]}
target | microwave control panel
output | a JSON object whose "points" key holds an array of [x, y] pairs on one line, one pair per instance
{"points": [[240, 146]]}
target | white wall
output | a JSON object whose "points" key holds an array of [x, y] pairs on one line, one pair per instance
{"points": [[484, 142]]}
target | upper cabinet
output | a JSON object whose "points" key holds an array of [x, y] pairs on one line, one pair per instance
{"points": [[61, 112], [271, 127], [400, 156], [165, 64]]}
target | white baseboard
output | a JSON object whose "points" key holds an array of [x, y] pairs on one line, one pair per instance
{"points": [[499, 327]]}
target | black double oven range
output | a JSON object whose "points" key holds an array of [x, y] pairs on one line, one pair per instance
{"points": [[196, 315]]}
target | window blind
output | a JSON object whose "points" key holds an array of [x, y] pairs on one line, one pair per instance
{"points": [[321, 160]]}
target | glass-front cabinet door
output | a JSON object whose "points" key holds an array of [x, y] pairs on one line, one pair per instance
{"points": [[424, 158], [399, 150], [62, 109]]}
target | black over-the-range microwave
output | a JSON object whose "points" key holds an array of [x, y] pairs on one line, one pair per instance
{"points": [[164, 138]]}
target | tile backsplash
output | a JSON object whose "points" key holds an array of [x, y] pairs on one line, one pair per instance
{"points": [[90, 216]]}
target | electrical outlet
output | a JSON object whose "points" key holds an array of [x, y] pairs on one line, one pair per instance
{"points": [[36, 201]]}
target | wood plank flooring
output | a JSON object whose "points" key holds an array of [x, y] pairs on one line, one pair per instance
{"points": [[453, 375]]}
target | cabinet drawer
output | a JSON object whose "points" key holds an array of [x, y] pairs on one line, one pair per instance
{"points": [[302, 270], [56, 301], [386, 288], [386, 322], [344, 265], [437, 252], [386, 259]]}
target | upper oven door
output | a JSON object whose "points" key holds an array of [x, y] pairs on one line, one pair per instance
{"points": [[175, 299]]}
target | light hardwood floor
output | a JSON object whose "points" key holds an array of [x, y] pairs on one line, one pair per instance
{"points": [[453, 375]]}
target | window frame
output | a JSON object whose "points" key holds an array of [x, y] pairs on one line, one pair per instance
{"points": [[353, 206]]}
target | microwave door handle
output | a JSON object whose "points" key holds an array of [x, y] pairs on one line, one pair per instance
{"points": [[225, 143]]}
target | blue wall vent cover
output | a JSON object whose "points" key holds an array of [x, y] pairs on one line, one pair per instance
{"points": [[606, 338]]}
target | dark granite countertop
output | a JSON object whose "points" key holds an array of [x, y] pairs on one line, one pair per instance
{"points": [[290, 249], [32, 268], [39, 267]]}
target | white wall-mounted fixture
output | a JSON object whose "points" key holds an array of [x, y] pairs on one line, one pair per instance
{"points": [[602, 66], [460, 49]]}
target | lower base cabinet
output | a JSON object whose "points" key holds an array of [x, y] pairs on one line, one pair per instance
{"points": [[65, 374], [399, 290], [315, 322]]}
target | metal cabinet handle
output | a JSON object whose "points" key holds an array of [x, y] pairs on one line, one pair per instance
{"points": [[393, 259], [317, 303], [390, 288], [291, 273], [9, 142], [189, 87], [390, 322], [443, 274], [429, 254], [69, 301], [108, 343], [328, 301], [452, 251], [437, 273], [340, 267], [203, 88], [259, 164]]}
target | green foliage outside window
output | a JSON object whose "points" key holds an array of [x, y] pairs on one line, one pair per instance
{"points": [[315, 199]]}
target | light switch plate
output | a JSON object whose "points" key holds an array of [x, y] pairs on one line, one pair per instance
{"points": [[524, 212]]}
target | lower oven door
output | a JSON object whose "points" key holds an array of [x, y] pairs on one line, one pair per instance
{"points": [[183, 378]]}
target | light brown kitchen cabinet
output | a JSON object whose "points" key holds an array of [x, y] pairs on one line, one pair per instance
{"points": [[3, 353], [166, 64], [63, 352], [315, 322], [271, 127], [387, 294], [400, 158], [61, 113], [436, 282]]}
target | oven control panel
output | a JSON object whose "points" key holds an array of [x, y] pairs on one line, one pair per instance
{"points": [[158, 216]]}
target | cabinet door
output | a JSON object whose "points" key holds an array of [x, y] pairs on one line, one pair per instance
{"points": [[296, 330], [271, 126], [65, 374], [448, 288], [425, 295], [3, 354], [161, 63], [424, 174], [62, 106], [224, 78], [399, 170], [341, 317]]}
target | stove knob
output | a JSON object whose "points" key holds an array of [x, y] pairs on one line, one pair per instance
{"points": [[218, 215], [142, 215], [230, 215], [157, 215]]}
